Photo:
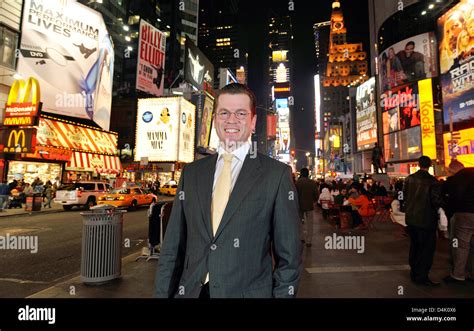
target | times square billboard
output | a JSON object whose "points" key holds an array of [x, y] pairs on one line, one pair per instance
{"points": [[67, 48], [456, 48]]}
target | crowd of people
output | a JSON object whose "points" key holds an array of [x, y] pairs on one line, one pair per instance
{"points": [[424, 203], [14, 193]]}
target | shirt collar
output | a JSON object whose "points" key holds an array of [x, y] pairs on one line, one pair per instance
{"points": [[240, 153]]}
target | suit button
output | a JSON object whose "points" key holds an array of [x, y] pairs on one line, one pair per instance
{"points": [[213, 247]]}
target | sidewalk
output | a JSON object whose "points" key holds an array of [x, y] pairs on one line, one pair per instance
{"points": [[14, 212], [381, 271]]}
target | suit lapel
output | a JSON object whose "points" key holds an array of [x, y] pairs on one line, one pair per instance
{"points": [[205, 180], [249, 175]]}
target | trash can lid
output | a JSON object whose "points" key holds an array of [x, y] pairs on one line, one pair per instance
{"points": [[102, 207]]}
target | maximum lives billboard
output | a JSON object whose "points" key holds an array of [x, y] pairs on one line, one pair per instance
{"points": [[366, 116], [66, 47], [151, 59], [456, 33]]}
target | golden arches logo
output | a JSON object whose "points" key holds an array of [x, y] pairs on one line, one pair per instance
{"points": [[21, 91], [16, 147]]}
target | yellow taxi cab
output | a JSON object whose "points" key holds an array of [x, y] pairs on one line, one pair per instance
{"points": [[128, 197], [168, 189]]}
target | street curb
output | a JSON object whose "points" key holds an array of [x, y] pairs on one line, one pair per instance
{"points": [[125, 260], [34, 213]]}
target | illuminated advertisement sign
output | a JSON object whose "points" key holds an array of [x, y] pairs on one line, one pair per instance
{"points": [[366, 116], [456, 33], [18, 140], [401, 108], [461, 148], [23, 103], [198, 70], [165, 130], [206, 121], [317, 102], [151, 59], [409, 60], [50, 153], [226, 77], [66, 47], [271, 126], [280, 56], [75, 137], [428, 134]]}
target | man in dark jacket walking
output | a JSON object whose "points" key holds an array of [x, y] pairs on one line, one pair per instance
{"points": [[422, 195], [307, 195], [460, 199]]}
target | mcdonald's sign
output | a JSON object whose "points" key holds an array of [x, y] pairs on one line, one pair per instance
{"points": [[16, 140], [23, 103]]}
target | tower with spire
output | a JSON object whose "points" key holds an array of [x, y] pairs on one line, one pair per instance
{"points": [[347, 62]]}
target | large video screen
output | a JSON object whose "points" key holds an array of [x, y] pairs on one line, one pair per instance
{"points": [[456, 33], [407, 61], [366, 116], [403, 145]]}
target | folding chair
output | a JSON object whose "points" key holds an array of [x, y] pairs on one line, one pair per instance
{"points": [[369, 220], [382, 208]]}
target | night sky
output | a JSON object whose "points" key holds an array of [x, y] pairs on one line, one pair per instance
{"points": [[254, 14]]}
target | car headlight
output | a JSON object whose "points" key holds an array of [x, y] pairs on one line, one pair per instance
{"points": [[101, 198], [121, 198]]}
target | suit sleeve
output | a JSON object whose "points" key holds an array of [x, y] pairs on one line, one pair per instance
{"points": [[171, 262], [286, 239]]}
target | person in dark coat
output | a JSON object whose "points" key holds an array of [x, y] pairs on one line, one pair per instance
{"points": [[423, 199], [307, 195], [459, 189]]}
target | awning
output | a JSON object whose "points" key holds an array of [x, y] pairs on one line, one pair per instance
{"points": [[102, 164]]}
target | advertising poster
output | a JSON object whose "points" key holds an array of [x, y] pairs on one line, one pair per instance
{"points": [[407, 61], [187, 127], [206, 121], [165, 130], [456, 48], [406, 100], [366, 116], [462, 149], [198, 70], [66, 47], [151, 59]]}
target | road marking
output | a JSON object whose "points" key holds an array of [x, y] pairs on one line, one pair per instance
{"points": [[22, 281], [324, 270]]}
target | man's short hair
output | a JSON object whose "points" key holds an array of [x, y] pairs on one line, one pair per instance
{"points": [[424, 162], [304, 172], [356, 186], [411, 42], [237, 88], [455, 166]]}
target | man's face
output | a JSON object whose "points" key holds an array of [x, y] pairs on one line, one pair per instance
{"points": [[233, 129], [409, 50]]}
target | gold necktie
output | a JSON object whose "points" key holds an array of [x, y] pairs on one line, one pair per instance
{"points": [[221, 192]]}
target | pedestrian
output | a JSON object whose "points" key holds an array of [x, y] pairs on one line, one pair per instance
{"points": [[4, 193], [12, 185], [307, 197], [362, 207], [422, 197], [460, 201], [48, 193], [325, 200], [239, 208]]}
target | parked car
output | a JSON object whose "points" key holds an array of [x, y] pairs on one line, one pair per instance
{"points": [[80, 194], [168, 189], [128, 197]]}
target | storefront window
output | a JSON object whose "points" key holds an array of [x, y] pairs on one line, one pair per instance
{"points": [[8, 42], [29, 171]]}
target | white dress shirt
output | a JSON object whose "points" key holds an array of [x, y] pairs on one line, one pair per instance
{"points": [[237, 162]]}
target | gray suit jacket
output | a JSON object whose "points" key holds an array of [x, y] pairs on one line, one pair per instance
{"points": [[260, 217]]}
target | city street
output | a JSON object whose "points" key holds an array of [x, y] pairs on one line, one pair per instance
{"points": [[59, 249]]}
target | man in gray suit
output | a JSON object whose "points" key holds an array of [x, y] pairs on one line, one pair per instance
{"points": [[234, 212]]}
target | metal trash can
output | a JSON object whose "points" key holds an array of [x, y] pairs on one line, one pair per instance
{"points": [[101, 258], [33, 202]]}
